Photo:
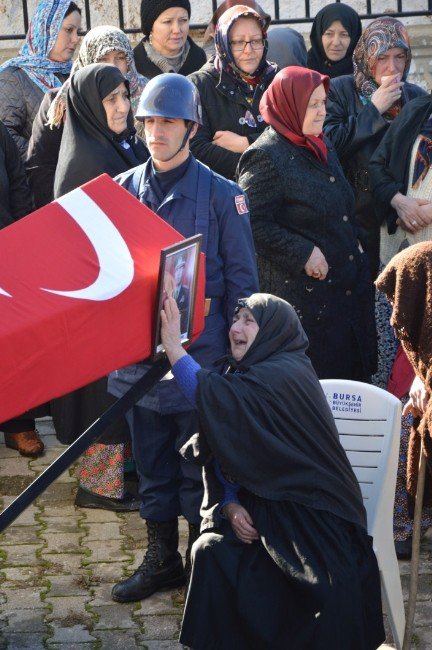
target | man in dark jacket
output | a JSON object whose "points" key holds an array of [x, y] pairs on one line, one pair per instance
{"points": [[192, 199]]}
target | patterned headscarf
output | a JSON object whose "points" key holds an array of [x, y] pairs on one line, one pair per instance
{"points": [[227, 4], [98, 42], [40, 40], [224, 57], [380, 36]]}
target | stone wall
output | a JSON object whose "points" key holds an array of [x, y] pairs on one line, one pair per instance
{"points": [[106, 12]]}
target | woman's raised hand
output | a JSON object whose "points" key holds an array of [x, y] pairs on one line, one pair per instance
{"points": [[241, 522], [170, 330], [316, 266], [387, 93]]}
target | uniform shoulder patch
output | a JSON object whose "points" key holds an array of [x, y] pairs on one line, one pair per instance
{"points": [[240, 203]]}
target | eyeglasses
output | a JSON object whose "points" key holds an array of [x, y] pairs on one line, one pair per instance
{"points": [[239, 46]]}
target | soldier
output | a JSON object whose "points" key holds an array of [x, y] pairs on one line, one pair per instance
{"points": [[193, 199]]}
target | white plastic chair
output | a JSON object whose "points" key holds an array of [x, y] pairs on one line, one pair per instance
{"points": [[368, 420]]}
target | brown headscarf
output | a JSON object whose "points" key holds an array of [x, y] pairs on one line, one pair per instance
{"points": [[284, 105], [407, 283]]}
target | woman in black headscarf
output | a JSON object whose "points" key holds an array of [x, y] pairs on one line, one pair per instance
{"points": [[334, 35], [91, 145], [287, 563], [98, 138]]}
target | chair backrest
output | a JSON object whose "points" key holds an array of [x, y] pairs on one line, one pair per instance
{"points": [[368, 421]]}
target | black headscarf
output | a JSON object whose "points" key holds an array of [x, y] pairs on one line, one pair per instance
{"points": [[89, 147], [268, 422], [317, 59]]}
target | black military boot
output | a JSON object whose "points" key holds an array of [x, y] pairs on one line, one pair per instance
{"points": [[162, 565], [194, 533]]}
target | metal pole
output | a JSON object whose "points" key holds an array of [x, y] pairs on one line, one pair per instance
{"points": [[25, 16], [61, 464], [121, 14], [415, 558], [87, 15]]}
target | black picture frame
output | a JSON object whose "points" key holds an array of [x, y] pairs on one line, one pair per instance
{"points": [[178, 272]]}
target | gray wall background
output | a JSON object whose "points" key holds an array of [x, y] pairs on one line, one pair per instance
{"points": [[106, 12]]}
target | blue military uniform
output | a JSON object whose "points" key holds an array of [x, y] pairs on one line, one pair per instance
{"points": [[203, 202]]}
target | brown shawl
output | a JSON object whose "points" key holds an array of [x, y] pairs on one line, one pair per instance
{"points": [[407, 283]]}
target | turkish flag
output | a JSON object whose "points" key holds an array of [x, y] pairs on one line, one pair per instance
{"points": [[78, 284]]}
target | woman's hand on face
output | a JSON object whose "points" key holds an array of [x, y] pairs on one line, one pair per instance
{"points": [[413, 214], [241, 522], [231, 141], [387, 94], [170, 330], [316, 266], [418, 399]]}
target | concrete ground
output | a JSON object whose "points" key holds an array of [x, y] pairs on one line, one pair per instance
{"points": [[58, 564]]}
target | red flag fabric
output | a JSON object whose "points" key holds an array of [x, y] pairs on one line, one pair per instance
{"points": [[78, 283]]}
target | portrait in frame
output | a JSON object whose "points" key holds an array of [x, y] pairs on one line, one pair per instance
{"points": [[177, 278]]}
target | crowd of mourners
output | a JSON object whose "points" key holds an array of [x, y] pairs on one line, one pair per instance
{"points": [[308, 175]]}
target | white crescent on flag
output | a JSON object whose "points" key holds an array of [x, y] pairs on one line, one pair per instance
{"points": [[116, 266]]}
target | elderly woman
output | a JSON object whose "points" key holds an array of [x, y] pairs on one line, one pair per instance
{"points": [[335, 31], [231, 86], [167, 46], [306, 241], [278, 564], [360, 109], [98, 137], [406, 281], [44, 62], [103, 44]]}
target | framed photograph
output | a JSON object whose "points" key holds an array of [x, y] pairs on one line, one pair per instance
{"points": [[177, 278]]}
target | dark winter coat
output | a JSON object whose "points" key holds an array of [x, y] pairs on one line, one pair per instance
{"points": [[224, 108], [296, 202], [42, 154], [356, 130], [194, 60], [15, 198], [390, 164], [20, 99]]}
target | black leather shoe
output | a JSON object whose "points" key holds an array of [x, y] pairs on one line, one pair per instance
{"points": [[145, 581], [86, 499], [403, 549]]}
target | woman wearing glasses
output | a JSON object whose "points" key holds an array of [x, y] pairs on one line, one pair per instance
{"points": [[231, 85]]}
